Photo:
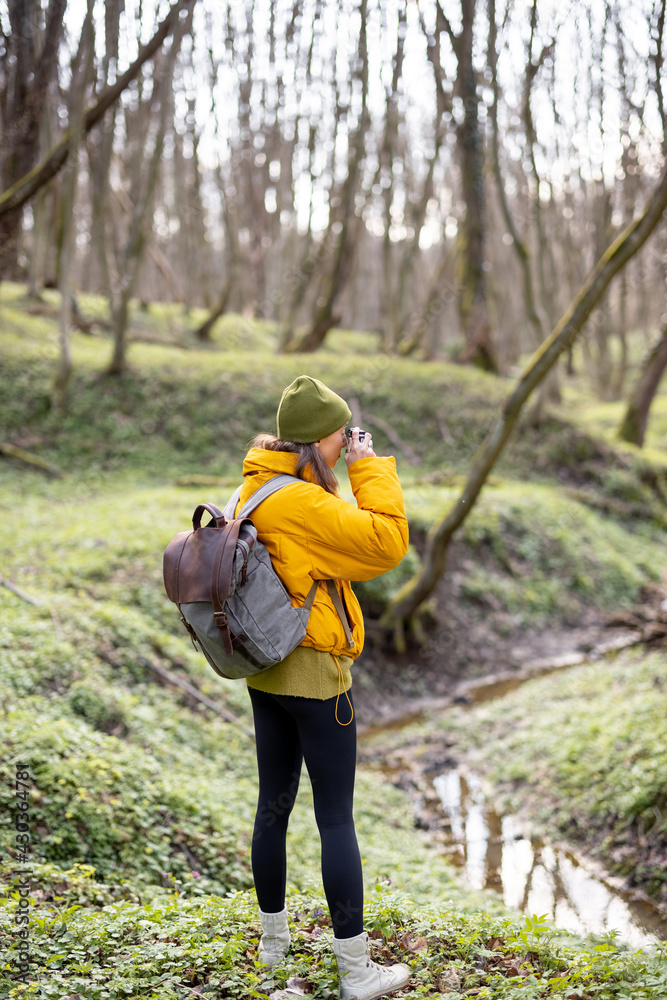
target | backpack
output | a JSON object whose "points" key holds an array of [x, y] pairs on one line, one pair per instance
{"points": [[231, 600]]}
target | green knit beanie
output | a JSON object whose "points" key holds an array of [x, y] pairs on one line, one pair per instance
{"points": [[310, 411]]}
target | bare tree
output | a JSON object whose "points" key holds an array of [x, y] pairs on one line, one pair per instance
{"points": [[145, 167], [406, 603], [233, 253], [549, 390], [343, 222], [473, 306], [534, 312], [82, 70], [100, 146]]}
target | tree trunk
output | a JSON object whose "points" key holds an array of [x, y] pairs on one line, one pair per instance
{"points": [[633, 427], [408, 600], [81, 75], [550, 388], [621, 370], [435, 302], [38, 246], [535, 316], [121, 294], [203, 332], [412, 325], [473, 307], [100, 148], [325, 316], [472, 300], [393, 291]]}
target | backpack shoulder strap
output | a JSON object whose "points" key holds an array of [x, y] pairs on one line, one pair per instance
{"points": [[272, 486], [230, 506], [267, 490]]}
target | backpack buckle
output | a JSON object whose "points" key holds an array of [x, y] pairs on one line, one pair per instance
{"points": [[220, 619]]}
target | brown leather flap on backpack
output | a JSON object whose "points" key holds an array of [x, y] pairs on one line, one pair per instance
{"points": [[191, 558]]}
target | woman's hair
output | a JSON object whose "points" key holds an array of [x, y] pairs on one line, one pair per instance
{"points": [[308, 454]]}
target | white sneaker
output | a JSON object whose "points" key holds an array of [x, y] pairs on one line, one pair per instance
{"points": [[275, 941], [361, 978]]}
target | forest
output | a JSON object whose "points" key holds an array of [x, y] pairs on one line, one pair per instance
{"points": [[452, 212]]}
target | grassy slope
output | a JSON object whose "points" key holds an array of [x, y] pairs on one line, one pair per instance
{"points": [[133, 779]]}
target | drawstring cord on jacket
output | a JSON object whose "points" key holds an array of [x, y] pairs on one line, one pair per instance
{"points": [[340, 680]]}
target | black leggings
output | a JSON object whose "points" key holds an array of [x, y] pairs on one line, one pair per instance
{"points": [[289, 730]]}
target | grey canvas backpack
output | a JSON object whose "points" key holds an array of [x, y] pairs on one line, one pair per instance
{"points": [[232, 602]]}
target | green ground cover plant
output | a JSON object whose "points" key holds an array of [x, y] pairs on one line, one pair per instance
{"points": [[135, 783], [142, 797], [99, 941]]}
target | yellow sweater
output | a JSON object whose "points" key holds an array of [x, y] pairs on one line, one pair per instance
{"points": [[306, 673]]}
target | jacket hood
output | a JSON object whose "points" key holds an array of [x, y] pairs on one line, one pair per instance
{"points": [[263, 462]]}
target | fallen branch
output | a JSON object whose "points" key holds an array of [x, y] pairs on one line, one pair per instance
{"points": [[32, 461], [612, 505], [19, 593], [224, 713], [88, 326]]}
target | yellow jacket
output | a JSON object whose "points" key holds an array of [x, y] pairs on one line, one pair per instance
{"points": [[312, 535]]}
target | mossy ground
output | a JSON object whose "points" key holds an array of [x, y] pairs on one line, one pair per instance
{"points": [[146, 785]]}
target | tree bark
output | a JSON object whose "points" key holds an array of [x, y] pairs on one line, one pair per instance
{"points": [[633, 427], [408, 600]]}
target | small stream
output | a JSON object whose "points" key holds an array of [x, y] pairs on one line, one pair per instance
{"points": [[533, 876]]}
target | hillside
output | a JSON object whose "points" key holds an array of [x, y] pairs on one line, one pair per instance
{"points": [[141, 793], [568, 530]]}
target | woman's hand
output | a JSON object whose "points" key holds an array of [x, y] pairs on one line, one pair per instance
{"points": [[358, 449]]}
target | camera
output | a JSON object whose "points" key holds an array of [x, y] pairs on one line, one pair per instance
{"points": [[362, 434]]}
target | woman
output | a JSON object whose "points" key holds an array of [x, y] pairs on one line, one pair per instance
{"points": [[303, 707]]}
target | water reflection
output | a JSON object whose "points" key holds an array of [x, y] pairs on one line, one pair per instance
{"points": [[535, 878]]}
